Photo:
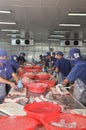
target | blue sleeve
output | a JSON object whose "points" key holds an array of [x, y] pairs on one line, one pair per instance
{"points": [[74, 74], [9, 71], [57, 64], [47, 63], [16, 66]]}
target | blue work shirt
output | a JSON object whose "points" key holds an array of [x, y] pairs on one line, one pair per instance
{"points": [[78, 72], [14, 65], [63, 65], [9, 71], [50, 62], [54, 60], [21, 60], [72, 62]]}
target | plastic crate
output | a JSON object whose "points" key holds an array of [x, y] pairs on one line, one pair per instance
{"points": [[69, 118], [43, 76], [37, 87], [39, 110], [50, 83], [17, 123]]}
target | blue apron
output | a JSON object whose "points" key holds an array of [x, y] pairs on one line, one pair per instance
{"points": [[60, 77], [50, 64], [80, 91], [2, 85]]}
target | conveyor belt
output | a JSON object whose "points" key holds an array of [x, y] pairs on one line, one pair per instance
{"points": [[69, 101]]}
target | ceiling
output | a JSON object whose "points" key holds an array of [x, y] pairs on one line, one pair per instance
{"points": [[38, 19]]}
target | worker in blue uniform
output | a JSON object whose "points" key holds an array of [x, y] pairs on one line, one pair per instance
{"points": [[53, 57], [77, 75], [14, 62], [21, 58], [62, 67], [72, 62], [5, 68], [49, 62]]}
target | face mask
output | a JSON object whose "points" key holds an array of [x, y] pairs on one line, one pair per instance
{"points": [[3, 61]]}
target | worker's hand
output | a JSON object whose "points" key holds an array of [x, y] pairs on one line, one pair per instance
{"points": [[20, 85], [54, 74], [59, 89], [12, 84], [72, 86]]}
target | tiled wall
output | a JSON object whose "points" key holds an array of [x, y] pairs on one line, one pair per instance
{"points": [[38, 48]]}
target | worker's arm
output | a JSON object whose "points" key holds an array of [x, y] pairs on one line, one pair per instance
{"points": [[20, 69], [2, 80], [57, 70], [15, 77], [17, 80], [65, 82]]}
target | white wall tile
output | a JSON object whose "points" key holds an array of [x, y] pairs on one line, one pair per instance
{"points": [[37, 49]]}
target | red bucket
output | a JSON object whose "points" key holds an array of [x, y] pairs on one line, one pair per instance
{"points": [[17, 123], [20, 74], [39, 110], [37, 67], [34, 70], [42, 76], [26, 81], [27, 68], [29, 75], [69, 122], [50, 83], [37, 87]]}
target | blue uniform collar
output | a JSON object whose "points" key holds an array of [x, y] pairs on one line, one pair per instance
{"points": [[78, 60]]}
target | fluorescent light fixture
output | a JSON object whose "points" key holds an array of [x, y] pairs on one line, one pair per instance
{"points": [[60, 31], [30, 57], [77, 14], [84, 40], [70, 25], [60, 36], [9, 30], [8, 23], [5, 11], [10, 34], [51, 39]]}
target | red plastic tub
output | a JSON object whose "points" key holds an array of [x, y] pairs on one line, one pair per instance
{"points": [[26, 69], [20, 74], [26, 81], [37, 87], [17, 123], [77, 121], [33, 70], [50, 83], [39, 110], [29, 75], [42, 76], [37, 67]]}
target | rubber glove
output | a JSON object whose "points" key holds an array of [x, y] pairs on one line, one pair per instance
{"points": [[20, 85], [44, 69], [54, 74]]}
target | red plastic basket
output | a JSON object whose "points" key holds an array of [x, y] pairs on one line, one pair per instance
{"points": [[17, 123], [42, 76], [26, 81], [39, 110], [29, 75], [37, 67], [69, 118], [37, 87], [20, 74], [33, 70], [50, 83]]}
